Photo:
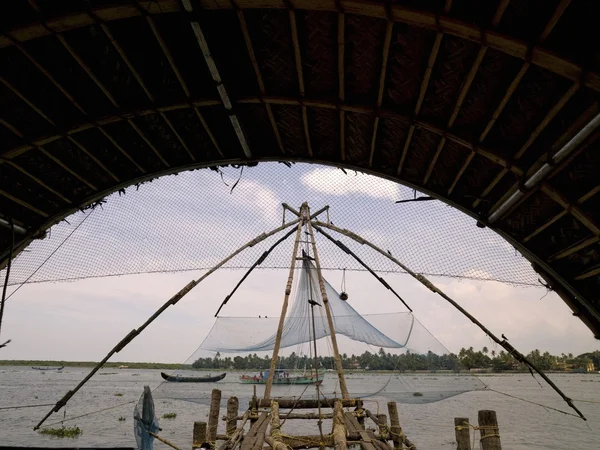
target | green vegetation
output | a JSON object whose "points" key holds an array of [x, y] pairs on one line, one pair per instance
{"points": [[121, 419], [417, 394], [70, 432], [118, 394], [169, 416], [466, 359]]}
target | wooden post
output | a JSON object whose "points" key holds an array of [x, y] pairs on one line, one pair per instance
{"points": [[396, 430], [213, 416], [232, 412], [339, 427], [199, 436], [462, 433], [489, 431], [288, 291], [334, 345], [383, 428]]}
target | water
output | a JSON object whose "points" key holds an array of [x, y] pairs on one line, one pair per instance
{"points": [[429, 426]]}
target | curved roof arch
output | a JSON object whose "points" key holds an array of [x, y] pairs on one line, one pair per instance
{"points": [[491, 107]]}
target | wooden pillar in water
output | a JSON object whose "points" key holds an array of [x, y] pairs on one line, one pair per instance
{"points": [[199, 436], [213, 416], [396, 430], [334, 345], [288, 291], [462, 433], [489, 431], [382, 425], [232, 412]]}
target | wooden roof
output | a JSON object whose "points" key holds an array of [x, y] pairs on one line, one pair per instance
{"points": [[462, 99]]}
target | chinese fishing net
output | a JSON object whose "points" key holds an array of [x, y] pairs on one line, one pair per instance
{"points": [[390, 356]]}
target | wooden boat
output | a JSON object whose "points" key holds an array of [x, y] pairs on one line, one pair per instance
{"points": [[48, 368], [281, 377], [178, 379]]}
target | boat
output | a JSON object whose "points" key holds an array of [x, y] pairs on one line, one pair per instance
{"points": [[178, 379], [281, 376], [48, 368]]}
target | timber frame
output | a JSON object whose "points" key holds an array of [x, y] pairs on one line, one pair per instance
{"points": [[489, 106]]}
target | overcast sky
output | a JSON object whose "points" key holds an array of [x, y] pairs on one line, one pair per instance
{"points": [[192, 220]]}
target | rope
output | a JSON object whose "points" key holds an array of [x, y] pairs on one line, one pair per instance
{"points": [[26, 406], [50, 255], [90, 413], [534, 403], [10, 256]]}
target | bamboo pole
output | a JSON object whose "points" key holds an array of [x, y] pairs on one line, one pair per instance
{"points": [[489, 431], [232, 412], [172, 301], [288, 291], [309, 403], [213, 416], [462, 433], [339, 427], [429, 285], [336, 352]]}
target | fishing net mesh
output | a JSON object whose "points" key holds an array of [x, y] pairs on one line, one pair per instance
{"points": [[398, 352], [193, 220]]}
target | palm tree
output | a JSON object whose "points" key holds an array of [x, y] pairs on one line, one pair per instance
{"points": [[485, 350]]}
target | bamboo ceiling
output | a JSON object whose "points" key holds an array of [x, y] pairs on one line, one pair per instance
{"points": [[462, 99]]}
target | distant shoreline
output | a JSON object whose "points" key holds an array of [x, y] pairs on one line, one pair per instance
{"points": [[168, 366]]}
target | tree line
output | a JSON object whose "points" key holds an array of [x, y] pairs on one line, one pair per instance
{"points": [[466, 359]]}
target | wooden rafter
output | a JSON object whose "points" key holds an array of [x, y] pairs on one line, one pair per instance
{"points": [[93, 158], [399, 13], [532, 137], [300, 75], [341, 41], [473, 147], [23, 203], [512, 88], [424, 84], [574, 248], [384, 60], [573, 208], [588, 274], [18, 133], [422, 91], [216, 76], [69, 97], [259, 78], [148, 142], [90, 73], [120, 149], [38, 181]]}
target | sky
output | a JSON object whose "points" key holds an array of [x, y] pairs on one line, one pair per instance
{"points": [[179, 225]]}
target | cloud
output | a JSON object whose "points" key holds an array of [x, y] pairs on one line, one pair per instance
{"points": [[329, 180]]}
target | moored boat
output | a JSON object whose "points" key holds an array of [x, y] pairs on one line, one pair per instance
{"points": [[281, 376], [48, 368], [179, 379]]}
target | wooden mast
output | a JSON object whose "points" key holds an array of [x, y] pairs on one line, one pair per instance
{"points": [[304, 217], [336, 352]]}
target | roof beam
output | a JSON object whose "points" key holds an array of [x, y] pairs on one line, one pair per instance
{"points": [[424, 84], [38, 181], [473, 147], [383, 72], [259, 78], [588, 274], [341, 41], [512, 88], [399, 13], [71, 99], [532, 137], [216, 76], [298, 59], [573, 208], [463, 93], [23, 203]]}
